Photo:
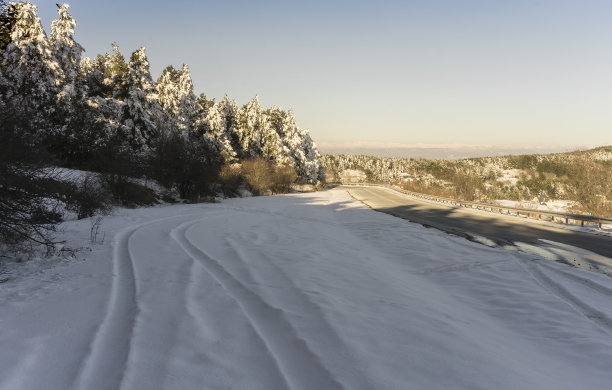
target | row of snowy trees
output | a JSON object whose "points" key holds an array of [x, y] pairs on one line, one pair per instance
{"points": [[79, 108]]}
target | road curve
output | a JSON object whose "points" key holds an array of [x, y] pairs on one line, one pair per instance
{"points": [[463, 222]]}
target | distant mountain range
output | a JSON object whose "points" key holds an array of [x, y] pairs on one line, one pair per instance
{"points": [[442, 151]]}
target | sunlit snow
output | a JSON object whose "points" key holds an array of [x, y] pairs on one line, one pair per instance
{"points": [[305, 291]]}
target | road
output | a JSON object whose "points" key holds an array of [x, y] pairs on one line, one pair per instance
{"points": [[501, 229]]}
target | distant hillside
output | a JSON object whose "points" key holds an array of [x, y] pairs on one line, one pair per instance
{"points": [[581, 176], [446, 152]]}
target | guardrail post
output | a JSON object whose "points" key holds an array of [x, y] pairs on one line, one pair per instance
{"points": [[566, 219], [582, 222], [599, 221]]}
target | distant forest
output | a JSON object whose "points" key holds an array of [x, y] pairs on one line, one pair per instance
{"points": [[584, 177]]}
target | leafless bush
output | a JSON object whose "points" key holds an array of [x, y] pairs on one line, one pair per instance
{"points": [[96, 224], [259, 175], [264, 176], [283, 177], [230, 178], [29, 206], [88, 197]]}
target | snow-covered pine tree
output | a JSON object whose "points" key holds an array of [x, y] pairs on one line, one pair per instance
{"points": [[67, 141], [228, 109], [205, 104], [281, 125], [297, 145], [188, 104], [97, 125], [307, 159], [115, 73], [93, 75], [66, 50], [167, 94], [289, 134], [143, 114], [213, 129], [271, 143], [8, 14], [29, 75], [252, 125], [176, 97]]}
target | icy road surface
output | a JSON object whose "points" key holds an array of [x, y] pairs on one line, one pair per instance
{"points": [[310, 291]]}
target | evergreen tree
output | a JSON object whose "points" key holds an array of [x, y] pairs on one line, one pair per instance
{"points": [[297, 146], [282, 124], [29, 74], [66, 50], [271, 145], [188, 106], [306, 157], [205, 105], [143, 112], [289, 133], [97, 131], [214, 132], [115, 73], [167, 92], [228, 109], [93, 75], [253, 128], [66, 141], [8, 14]]}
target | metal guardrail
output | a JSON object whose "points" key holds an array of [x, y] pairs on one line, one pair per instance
{"points": [[554, 216]]}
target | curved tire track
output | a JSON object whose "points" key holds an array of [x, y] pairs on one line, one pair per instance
{"points": [[596, 316], [105, 363], [298, 365], [604, 290], [314, 317]]}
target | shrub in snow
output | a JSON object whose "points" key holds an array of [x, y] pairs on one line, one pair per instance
{"points": [[264, 177], [230, 177], [88, 197]]}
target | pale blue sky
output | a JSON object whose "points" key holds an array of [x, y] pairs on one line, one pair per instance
{"points": [[431, 71]]}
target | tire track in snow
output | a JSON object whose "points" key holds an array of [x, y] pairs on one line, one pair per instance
{"points": [[104, 367], [105, 363], [314, 317], [457, 267], [604, 290], [596, 316], [298, 365]]}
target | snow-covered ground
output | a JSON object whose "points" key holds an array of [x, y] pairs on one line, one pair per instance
{"points": [[306, 291]]}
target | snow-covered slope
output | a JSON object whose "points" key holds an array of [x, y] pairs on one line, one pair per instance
{"points": [[308, 291]]}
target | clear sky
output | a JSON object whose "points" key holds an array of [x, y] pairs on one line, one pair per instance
{"points": [[485, 72]]}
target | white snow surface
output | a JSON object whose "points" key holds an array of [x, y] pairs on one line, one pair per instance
{"points": [[303, 291]]}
